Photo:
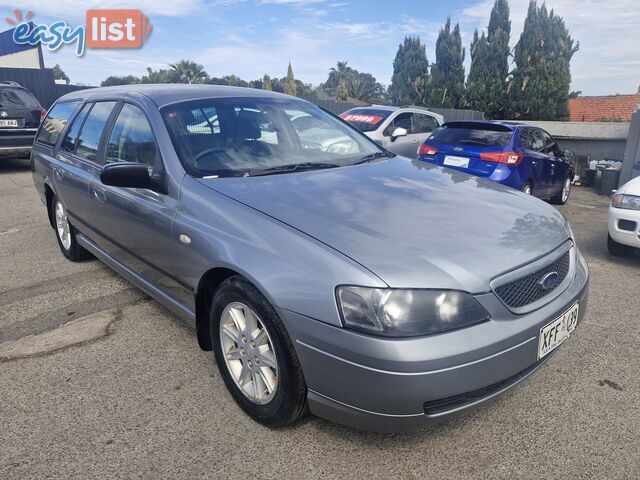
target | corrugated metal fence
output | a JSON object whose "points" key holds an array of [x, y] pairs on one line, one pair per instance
{"points": [[449, 114], [40, 82]]}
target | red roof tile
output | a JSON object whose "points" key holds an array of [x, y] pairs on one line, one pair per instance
{"points": [[602, 109]]}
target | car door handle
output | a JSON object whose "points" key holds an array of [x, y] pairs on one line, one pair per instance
{"points": [[57, 173], [534, 163], [99, 194]]}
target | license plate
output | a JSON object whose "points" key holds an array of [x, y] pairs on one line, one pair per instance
{"points": [[556, 332], [8, 123], [453, 161]]}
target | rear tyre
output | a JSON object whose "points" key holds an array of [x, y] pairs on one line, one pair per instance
{"points": [[66, 234], [527, 188], [562, 196], [255, 355], [618, 249]]}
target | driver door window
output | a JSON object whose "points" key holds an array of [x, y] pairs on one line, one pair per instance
{"points": [[400, 121], [423, 124], [131, 139]]}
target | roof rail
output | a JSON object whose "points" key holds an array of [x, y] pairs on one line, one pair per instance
{"points": [[10, 83], [416, 106]]}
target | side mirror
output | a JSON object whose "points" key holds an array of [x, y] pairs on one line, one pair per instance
{"points": [[399, 132], [568, 153], [128, 175]]}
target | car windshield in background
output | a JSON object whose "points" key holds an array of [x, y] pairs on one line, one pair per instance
{"points": [[365, 119], [484, 135], [17, 98], [254, 136]]}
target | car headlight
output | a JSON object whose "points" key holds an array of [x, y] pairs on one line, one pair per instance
{"points": [[628, 202], [407, 312]]}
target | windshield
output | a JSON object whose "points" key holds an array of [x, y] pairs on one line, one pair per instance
{"points": [[365, 119], [472, 134], [17, 98], [247, 136]]}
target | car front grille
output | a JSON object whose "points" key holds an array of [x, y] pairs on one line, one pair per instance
{"points": [[527, 290]]}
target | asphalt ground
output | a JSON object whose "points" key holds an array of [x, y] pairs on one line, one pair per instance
{"points": [[140, 400]]}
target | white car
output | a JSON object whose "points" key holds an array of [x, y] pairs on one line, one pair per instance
{"points": [[624, 220], [400, 130]]}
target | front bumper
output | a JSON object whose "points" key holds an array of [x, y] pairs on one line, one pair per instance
{"points": [[393, 385], [624, 226]]}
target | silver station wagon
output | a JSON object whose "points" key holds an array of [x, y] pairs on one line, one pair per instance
{"points": [[325, 273]]}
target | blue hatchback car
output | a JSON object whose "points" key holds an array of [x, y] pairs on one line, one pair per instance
{"points": [[520, 156]]}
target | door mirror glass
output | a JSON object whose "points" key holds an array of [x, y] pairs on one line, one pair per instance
{"points": [[399, 132], [128, 175], [568, 153]]}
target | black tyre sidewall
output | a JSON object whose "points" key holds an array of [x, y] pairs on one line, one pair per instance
{"points": [[618, 249], [289, 401]]}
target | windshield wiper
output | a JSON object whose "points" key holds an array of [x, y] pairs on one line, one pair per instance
{"points": [[373, 156], [294, 167]]}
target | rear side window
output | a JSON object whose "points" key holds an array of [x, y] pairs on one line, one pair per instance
{"points": [[55, 122], [471, 134], [131, 139], [71, 138], [89, 137], [17, 98], [532, 139]]}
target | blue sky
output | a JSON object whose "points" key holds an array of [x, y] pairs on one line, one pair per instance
{"points": [[253, 37]]}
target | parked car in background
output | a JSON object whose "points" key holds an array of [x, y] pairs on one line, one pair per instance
{"points": [[624, 220], [400, 130], [348, 280], [20, 116], [520, 156]]}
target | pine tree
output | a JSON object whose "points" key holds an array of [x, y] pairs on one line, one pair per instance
{"points": [[487, 81], [409, 85], [266, 82], [447, 74], [290, 86], [539, 89]]}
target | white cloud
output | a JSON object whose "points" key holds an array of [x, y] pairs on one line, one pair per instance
{"points": [[609, 34]]}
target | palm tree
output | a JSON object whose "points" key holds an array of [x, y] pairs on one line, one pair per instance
{"points": [[188, 71], [360, 90], [338, 74]]}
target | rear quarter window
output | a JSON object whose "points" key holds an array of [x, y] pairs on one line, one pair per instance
{"points": [[475, 135], [55, 122]]}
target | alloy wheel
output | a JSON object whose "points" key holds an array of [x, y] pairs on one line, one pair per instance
{"points": [[62, 226], [566, 189], [526, 189], [248, 352]]}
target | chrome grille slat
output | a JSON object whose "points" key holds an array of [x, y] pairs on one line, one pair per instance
{"points": [[527, 290]]}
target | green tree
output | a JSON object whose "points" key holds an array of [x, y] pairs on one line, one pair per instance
{"points": [[357, 85], [487, 82], [266, 82], [290, 87], [447, 74], [342, 94], [539, 88], [115, 80], [58, 73], [160, 76], [188, 71], [409, 83]]}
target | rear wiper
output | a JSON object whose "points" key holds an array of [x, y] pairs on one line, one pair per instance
{"points": [[373, 156], [474, 142], [294, 167]]}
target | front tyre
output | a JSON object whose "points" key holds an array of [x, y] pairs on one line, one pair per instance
{"points": [[562, 196], [66, 234], [527, 188], [255, 355], [618, 249]]}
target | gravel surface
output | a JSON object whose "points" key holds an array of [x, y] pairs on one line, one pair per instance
{"points": [[145, 402]]}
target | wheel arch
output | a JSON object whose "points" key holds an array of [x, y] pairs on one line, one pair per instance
{"points": [[49, 194]]}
